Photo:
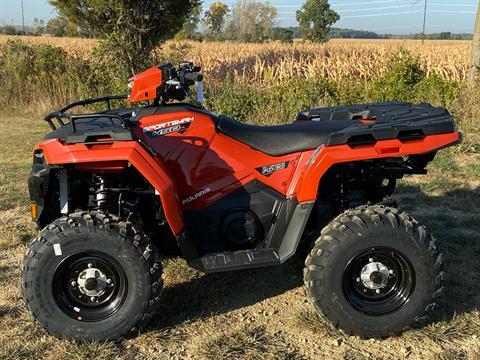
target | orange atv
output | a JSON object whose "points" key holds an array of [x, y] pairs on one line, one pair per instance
{"points": [[114, 189]]}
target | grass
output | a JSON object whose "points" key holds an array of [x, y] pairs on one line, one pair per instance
{"points": [[258, 314]]}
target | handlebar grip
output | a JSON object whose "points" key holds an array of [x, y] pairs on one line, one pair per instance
{"points": [[194, 76]]}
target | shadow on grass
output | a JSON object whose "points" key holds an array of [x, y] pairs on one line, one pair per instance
{"points": [[223, 292], [453, 217]]}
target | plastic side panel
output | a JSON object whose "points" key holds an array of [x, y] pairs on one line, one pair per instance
{"points": [[327, 156], [58, 154]]}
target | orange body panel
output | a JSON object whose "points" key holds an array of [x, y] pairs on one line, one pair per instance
{"points": [[307, 187], [144, 85], [195, 166], [201, 159], [152, 169]]}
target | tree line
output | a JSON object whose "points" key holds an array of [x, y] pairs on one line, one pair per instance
{"points": [[246, 21]]}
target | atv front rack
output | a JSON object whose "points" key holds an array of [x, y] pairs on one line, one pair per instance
{"points": [[62, 114]]}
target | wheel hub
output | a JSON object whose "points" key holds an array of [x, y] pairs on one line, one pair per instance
{"points": [[92, 281], [378, 281], [374, 275], [89, 286]]}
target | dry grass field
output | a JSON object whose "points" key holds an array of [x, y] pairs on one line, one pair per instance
{"points": [[263, 314], [338, 60]]}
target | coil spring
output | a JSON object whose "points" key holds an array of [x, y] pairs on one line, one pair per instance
{"points": [[101, 194]]}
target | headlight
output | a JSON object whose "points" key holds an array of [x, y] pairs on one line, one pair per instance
{"points": [[38, 157], [130, 87]]}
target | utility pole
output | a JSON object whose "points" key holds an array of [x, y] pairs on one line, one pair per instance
{"points": [[424, 22], [475, 61], [23, 19]]}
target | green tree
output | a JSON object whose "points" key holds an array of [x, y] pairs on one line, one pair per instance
{"points": [[38, 26], [252, 21], [8, 30], [216, 16], [58, 26], [315, 19], [189, 28], [132, 29], [282, 34]]}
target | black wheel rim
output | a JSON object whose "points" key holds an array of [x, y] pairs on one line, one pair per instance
{"points": [[394, 288], [72, 289]]}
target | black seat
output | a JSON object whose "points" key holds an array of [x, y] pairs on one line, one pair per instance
{"points": [[282, 139]]}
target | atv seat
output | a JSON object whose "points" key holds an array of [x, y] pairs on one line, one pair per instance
{"points": [[282, 139]]}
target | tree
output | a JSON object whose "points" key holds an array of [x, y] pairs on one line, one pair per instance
{"points": [[8, 30], [131, 29], [58, 26], [252, 21], [189, 28], [315, 19], [282, 34], [216, 16], [475, 56], [38, 26]]}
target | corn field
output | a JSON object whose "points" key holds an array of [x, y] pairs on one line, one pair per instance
{"points": [[339, 60]]}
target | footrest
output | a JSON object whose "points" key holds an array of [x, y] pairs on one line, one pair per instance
{"points": [[236, 260]]}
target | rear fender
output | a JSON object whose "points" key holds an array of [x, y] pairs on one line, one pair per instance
{"points": [[98, 156], [326, 156]]}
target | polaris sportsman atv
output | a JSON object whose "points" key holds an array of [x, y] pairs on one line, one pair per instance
{"points": [[112, 187]]}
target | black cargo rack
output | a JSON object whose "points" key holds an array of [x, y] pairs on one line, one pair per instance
{"points": [[62, 114], [383, 121]]}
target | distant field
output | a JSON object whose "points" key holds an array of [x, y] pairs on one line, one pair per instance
{"points": [[338, 59]]}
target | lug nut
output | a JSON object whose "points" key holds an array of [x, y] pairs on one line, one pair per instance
{"points": [[358, 279], [90, 265], [377, 291], [92, 298], [370, 260], [390, 272], [73, 283]]}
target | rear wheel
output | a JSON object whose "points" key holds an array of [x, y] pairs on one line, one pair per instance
{"points": [[90, 276], [373, 272]]}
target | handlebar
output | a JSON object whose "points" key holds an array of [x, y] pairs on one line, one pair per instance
{"points": [[194, 76]]}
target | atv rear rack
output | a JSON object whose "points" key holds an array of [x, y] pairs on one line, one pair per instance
{"points": [[62, 113], [382, 121]]}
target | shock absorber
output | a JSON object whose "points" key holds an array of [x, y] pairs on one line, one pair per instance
{"points": [[101, 193]]}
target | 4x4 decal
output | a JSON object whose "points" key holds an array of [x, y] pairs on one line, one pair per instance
{"points": [[270, 169], [168, 127]]}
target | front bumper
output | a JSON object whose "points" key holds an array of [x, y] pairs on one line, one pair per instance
{"points": [[38, 183]]}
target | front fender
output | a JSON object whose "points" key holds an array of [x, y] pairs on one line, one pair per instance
{"points": [[152, 169]]}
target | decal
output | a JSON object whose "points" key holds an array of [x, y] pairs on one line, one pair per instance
{"points": [[196, 196], [270, 169], [57, 249], [168, 127]]}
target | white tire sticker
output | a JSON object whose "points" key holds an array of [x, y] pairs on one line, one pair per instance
{"points": [[58, 249]]}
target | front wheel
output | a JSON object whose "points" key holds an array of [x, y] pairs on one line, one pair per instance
{"points": [[373, 272], [90, 276]]}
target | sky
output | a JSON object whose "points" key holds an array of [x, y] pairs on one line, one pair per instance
{"points": [[382, 16]]}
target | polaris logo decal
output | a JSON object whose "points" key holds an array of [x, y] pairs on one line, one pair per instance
{"points": [[270, 169], [196, 196], [168, 127]]}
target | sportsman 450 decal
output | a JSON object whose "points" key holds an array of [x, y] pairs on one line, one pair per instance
{"points": [[270, 169], [168, 127]]}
